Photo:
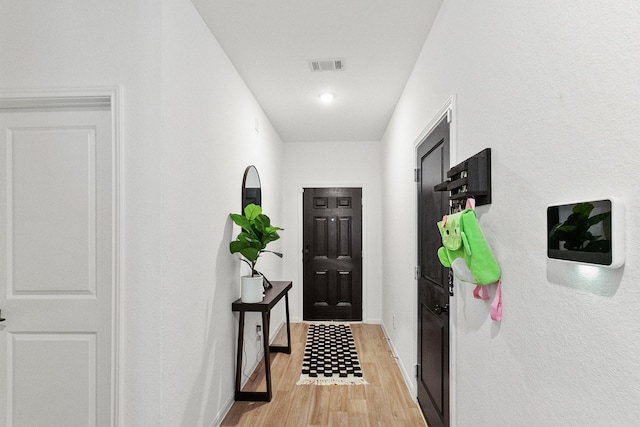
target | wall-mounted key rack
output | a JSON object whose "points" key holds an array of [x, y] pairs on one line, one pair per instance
{"points": [[470, 178]]}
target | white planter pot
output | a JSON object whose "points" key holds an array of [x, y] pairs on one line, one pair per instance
{"points": [[251, 290]]}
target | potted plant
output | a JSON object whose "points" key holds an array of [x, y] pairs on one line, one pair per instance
{"points": [[257, 232]]}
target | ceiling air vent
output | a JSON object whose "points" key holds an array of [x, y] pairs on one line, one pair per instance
{"points": [[327, 65]]}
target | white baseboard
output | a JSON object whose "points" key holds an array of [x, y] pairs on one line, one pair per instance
{"points": [[223, 412], [408, 379]]}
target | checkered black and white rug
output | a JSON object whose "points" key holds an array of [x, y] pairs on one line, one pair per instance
{"points": [[330, 356]]}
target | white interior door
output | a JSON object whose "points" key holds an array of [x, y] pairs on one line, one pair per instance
{"points": [[56, 267]]}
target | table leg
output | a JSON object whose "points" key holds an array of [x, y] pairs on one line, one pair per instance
{"points": [[267, 356], [239, 355], [286, 300]]}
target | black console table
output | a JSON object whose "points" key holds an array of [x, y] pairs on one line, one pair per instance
{"points": [[271, 298]]}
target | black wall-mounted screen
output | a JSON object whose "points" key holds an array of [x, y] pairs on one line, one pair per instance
{"points": [[580, 232]]}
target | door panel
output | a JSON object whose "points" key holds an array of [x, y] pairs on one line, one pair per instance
{"points": [[432, 331], [56, 229], [332, 235], [56, 215], [433, 292], [64, 361]]}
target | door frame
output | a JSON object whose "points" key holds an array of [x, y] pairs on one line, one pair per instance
{"points": [[300, 264], [87, 98], [448, 110]]}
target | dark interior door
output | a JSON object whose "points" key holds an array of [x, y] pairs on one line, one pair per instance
{"points": [[433, 289], [332, 254]]}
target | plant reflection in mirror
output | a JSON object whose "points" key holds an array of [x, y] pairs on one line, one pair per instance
{"points": [[575, 231]]}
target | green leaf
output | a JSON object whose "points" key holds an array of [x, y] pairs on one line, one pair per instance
{"points": [[583, 209], [272, 237], [578, 219], [598, 218], [240, 220], [262, 222], [272, 229], [244, 237], [237, 246], [252, 211], [257, 244], [251, 254], [554, 230]]}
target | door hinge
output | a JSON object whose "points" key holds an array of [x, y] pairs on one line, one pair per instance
{"points": [[416, 175], [449, 115], [416, 272], [417, 371]]}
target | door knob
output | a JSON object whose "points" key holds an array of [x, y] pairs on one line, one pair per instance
{"points": [[439, 309], [1, 319]]}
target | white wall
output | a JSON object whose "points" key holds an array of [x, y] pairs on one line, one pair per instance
{"points": [[553, 88], [72, 43], [208, 139], [188, 133], [334, 164]]}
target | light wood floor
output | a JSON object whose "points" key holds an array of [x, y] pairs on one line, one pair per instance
{"points": [[385, 401]]}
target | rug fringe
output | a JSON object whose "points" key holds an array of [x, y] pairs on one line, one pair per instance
{"points": [[329, 323], [331, 381]]}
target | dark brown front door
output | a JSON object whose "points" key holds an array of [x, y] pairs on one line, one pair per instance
{"points": [[433, 291], [332, 254]]}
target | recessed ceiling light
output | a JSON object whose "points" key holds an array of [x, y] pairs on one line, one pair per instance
{"points": [[327, 97]]}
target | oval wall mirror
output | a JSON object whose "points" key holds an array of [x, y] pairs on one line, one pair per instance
{"points": [[251, 191]]}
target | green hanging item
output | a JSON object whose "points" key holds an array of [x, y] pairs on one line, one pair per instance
{"points": [[466, 251]]}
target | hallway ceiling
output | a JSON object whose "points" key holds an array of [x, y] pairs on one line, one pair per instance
{"points": [[271, 44]]}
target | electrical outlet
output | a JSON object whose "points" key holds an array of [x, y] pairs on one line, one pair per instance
{"points": [[258, 332]]}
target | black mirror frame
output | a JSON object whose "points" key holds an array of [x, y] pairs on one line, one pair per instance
{"points": [[251, 194]]}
